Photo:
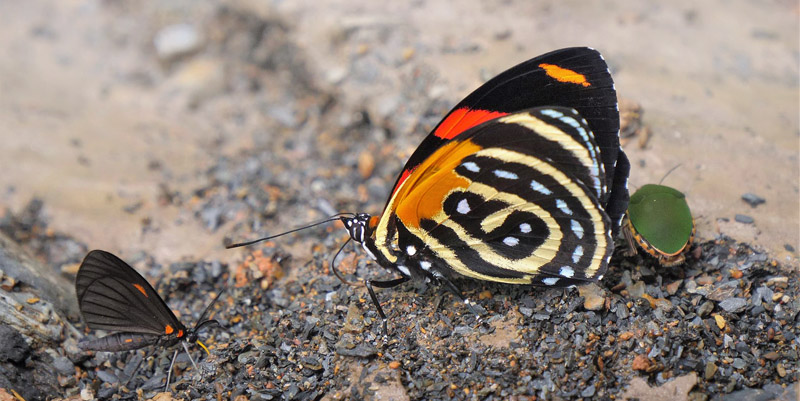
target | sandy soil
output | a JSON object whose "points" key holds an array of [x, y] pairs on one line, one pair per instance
{"points": [[91, 121]]}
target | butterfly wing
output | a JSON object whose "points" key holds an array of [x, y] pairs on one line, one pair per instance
{"points": [[513, 200], [113, 296], [575, 77]]}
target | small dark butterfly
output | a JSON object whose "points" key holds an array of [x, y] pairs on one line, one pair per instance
{"points": [[112, 296]]}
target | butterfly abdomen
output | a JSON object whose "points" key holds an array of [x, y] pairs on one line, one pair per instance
{"points": [[119, 342]]}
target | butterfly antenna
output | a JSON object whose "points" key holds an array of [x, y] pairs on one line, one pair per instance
{"points": [[336, 271], [668, 173], [326, 220], [202, 321]]}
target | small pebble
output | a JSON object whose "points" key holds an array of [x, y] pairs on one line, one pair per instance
{"points": [[711, 370], [177, 40], [107, 376], [593, 296], [744, 219], [733, 305], [753, 199], [640, 362], [705, 309], [63, 365], [720, 321], [588, 392]]}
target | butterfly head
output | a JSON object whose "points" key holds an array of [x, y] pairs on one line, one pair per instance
{"points": [[359, 226]]}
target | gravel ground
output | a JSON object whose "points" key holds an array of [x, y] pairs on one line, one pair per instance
{"points": [[725, 324]]}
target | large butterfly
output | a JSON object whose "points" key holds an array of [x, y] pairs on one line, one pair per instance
{"points": [[523, 182], [113, 296]]}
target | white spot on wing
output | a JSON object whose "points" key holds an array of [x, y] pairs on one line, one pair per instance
{"points": [[471, 166], [525, 228], [411, 250], [536, 186], [511, 241], [566, 271], [425, 265], [577, 228], [552, 113], [576, 256], [463, 206], [563, 206], [550, 280], [505, 174], [404, 270]]}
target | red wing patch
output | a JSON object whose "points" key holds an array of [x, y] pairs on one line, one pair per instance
{"points": [[564, 75], [463, 119], [456, 122], [402, 179]]}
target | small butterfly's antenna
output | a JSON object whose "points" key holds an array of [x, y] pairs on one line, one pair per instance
{"points": [[668, 173], [327, 220], [202, 321], [336, 271]]}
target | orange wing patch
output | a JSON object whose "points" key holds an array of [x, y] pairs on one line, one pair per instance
{"points": [[422, 197], [564, 75], [140, 288], [168, 329]]}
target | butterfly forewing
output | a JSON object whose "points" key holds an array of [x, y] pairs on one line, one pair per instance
{"points": [[512, 200], [113, 296], [577, 78]]}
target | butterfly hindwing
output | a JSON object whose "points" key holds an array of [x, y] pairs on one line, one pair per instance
{"points": [[113, 296], [493, 205]]}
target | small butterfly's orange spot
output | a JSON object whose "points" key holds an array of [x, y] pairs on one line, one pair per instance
{"points": [[141, 289], [180, 333], [128, 340], [168, 329], [564, 75]]}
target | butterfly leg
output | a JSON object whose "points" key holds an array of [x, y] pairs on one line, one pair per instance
{"points": [[383, 284], [169, 371], [457, 293]]}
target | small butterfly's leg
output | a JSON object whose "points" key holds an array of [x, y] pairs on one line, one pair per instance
{"points": [[457, 292], [383, 284], [169, 372]]}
